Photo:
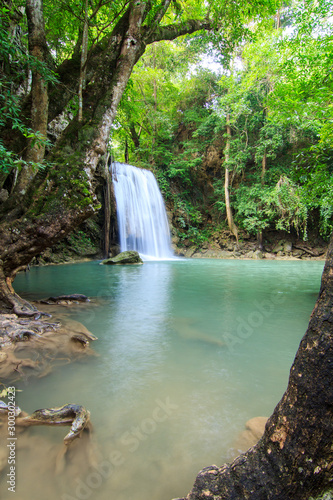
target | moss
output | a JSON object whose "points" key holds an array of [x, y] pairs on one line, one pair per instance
{"points": [[86, 134]]}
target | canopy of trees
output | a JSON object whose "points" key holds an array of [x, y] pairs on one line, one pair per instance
{"points": [[274, 97], [74, 65]]}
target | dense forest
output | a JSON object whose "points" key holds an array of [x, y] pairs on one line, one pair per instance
{"points": [[244, 139], [233, 115]]}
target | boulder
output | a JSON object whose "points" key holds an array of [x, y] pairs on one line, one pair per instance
{"points": [[258, 255], [254, 429], [282, 246], [129, 257]]}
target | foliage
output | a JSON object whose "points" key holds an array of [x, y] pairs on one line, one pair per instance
{"points": [[17, 63], [279, 149]]}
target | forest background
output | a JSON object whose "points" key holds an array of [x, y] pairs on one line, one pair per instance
{"points": [[235, 120], [262, 117], [247, 150]]}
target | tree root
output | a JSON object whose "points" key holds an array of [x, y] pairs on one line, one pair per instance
{"points": [[65, 299], [70, 414], [77, 416], [40, 344]]}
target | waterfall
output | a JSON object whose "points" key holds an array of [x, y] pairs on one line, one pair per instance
{"points": [[141, 215]]}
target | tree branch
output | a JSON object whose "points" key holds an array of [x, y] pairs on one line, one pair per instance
{"points": [[173, 31], [159, 15]]}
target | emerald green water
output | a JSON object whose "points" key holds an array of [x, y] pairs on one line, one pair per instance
{"points": [[189, 350]]}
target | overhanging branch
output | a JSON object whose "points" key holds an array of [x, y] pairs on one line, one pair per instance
{"points": [[173, 31]]}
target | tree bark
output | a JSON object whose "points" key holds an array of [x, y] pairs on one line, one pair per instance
{"points": [[84, 51], [294, 458], [230, 219], [39, 94]]}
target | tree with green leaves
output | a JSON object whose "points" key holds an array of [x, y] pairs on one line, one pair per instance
{"points": [[39, 207]]}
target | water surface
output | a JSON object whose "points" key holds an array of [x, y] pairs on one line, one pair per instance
{"points": [[189, 350]]}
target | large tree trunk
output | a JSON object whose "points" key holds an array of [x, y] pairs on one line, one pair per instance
{"points": [[39, 95], [66, 196], [294, 458], [230, 219]]}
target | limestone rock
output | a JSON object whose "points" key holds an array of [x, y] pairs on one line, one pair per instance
{"points": [[129, 257], [254, 430], [282, 247]]}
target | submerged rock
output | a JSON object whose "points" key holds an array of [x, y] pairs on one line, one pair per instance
{"points": [[254, 429], [128, 257]]}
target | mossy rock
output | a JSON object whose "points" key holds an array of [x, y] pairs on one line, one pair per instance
{"points": [[129, 257]]}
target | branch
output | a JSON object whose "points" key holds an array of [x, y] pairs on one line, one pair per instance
{"points": [[159, 16], [175, 30]]}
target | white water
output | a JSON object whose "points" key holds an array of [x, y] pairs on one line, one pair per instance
{"points": [[142, 220]]}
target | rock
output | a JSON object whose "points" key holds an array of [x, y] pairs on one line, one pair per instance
{"points": [[256, 425], [254, 430], [288, 247], [64, 299], [129, 257], [258, 255], [3, 356], [283, 246], [3, 195]]}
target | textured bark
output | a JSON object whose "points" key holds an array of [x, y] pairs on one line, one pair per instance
{"points": [[107, 208], [294, 458], [39, 95], [134, 135], [84, 51], [230, 219]]}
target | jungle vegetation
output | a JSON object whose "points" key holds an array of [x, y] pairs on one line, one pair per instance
{"points": [[261, 117]]}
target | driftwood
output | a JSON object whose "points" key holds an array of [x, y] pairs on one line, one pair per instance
{"points": [[310, 252]]}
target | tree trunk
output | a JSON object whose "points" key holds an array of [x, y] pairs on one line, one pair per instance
{"points": [[230, 219], [66, 196], [84, 51], [107, 208], [135, 137], [39, 94], [263, 173], [294, 458]]}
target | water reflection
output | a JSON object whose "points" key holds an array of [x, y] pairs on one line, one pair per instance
{"points": [[137, 338]]}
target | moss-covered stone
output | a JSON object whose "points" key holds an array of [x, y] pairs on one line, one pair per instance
{"points": [[129, 257]]}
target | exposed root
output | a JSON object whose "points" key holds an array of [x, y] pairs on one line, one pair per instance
{"points": [[31, 347], [77, 416], [65, 299]]}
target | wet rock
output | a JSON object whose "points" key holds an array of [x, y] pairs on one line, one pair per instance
{"points": [[129, 257], [254, 429]]}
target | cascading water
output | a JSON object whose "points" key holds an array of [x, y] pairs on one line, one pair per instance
{"points": [[142, 220]]}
